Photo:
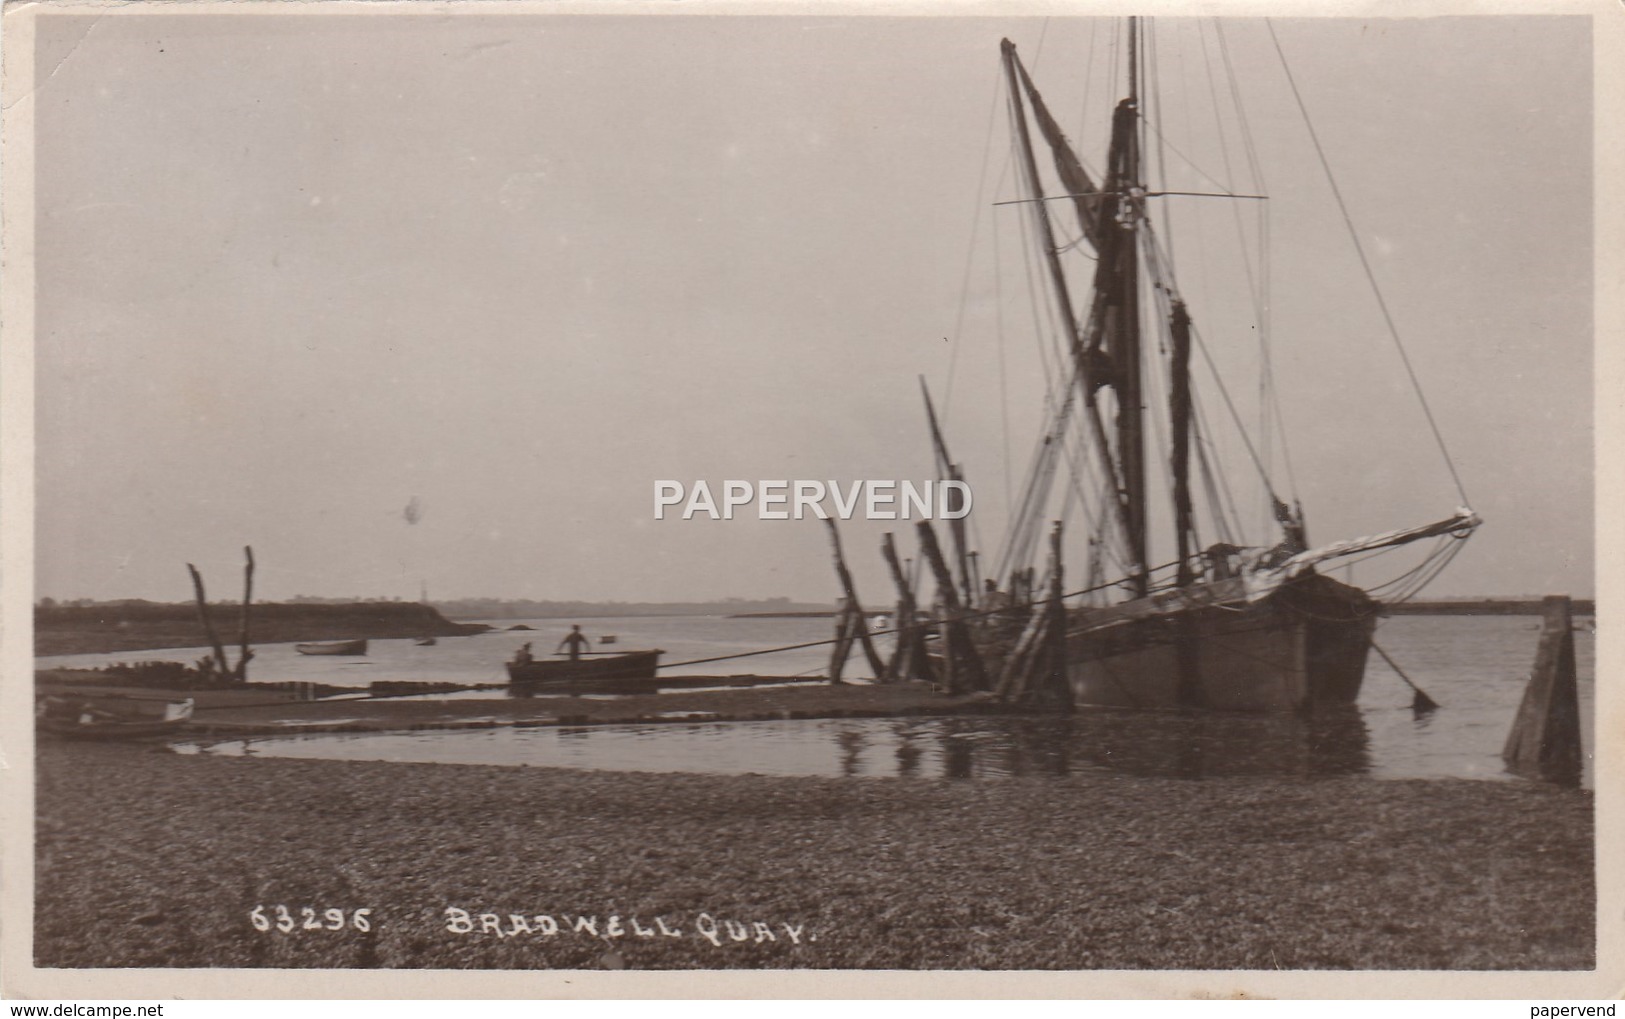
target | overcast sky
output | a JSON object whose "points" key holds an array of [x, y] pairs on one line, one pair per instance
{"points": [[296, 273]]}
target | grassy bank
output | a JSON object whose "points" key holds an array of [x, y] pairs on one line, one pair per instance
{"points": [[151, 859]]}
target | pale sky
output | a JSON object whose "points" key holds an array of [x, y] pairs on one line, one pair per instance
{"points": [[295, 272]]}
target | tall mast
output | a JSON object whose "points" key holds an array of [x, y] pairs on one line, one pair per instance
{"points": [[1134, 60], [1118, 277], [1179, 400]]}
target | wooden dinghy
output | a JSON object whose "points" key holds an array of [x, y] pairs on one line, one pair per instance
{"points": [[110, 716], [629, 671], [335, 647]]}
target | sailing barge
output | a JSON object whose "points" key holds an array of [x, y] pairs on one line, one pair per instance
{"points": [[1222, 626]]}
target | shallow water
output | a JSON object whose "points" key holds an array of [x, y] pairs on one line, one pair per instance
{"points": [[480, 658], [1475, 667]]}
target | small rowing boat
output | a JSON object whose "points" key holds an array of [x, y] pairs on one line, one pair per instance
{"points": [[336, 647], [110, 716], [629, 669]]}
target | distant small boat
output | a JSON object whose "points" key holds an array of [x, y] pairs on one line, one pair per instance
{"points": [[110, 716], [425, 642], [608, 638], [336, 647], [628, 672]]}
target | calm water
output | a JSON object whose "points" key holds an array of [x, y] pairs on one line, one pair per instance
{"points": [[479, 659], [1475, 668]]}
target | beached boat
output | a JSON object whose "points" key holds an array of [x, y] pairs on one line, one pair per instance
{"points": [[336, 647], [425, 642], [627, 668], [1221, 624], [110, 716]]}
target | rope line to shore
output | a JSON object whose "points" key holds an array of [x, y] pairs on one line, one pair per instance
{"points": [[717, 658], [963, 616]]}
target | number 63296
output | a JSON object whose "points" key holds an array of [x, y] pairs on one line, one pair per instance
{"points": [[279, 918]]}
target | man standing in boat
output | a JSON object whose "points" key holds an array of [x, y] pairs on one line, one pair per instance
{"points": [[576, 641]]}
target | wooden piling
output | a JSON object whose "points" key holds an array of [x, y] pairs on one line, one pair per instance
{"points": [[1057, 691], [219, 664], [240, 674], [843, 642], [961, 660], [1545, 737], [909, 661], [856, 620]]}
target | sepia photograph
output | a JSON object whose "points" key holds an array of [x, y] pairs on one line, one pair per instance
{"points": [[600, 494]]}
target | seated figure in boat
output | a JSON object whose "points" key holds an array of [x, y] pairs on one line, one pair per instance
{"points": [[523, 655], [576, 640]]}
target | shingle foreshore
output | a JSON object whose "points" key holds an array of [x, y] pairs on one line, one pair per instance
{"points": [[147, 858]]}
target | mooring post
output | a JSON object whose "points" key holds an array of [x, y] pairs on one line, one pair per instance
{"points": [[959, 652], [1545, 737], [218, 665], [843, 642], [1059, 689], [857, 622], [241, 672], [902, 665]]}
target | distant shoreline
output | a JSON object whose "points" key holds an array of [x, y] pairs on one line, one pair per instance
{"points": [[113, 627], [1483, 607]]}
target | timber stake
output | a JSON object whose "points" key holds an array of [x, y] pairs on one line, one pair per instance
{"points": [[960, 656], [1545, 737], [853, 616]]}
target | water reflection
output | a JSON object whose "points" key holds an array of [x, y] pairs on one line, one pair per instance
{"points": [[1189, 746], [908, 752], [852, 744]]}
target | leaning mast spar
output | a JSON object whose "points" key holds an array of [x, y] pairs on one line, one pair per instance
{"points": [[1106, 351]]}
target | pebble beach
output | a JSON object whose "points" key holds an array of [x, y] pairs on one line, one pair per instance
{"points": [[147, 858]]}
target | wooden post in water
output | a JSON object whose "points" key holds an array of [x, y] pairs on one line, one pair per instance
{"points": [[1545, 737], [221, 667], [959, 652], [1012, 683], [855, 619], [1057, 689], [240, 674], [843, 642], [909, 661]]}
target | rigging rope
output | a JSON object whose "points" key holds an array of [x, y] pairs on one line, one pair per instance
{"points": [[976, 222], [1255, 288], [1365, 263]]}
